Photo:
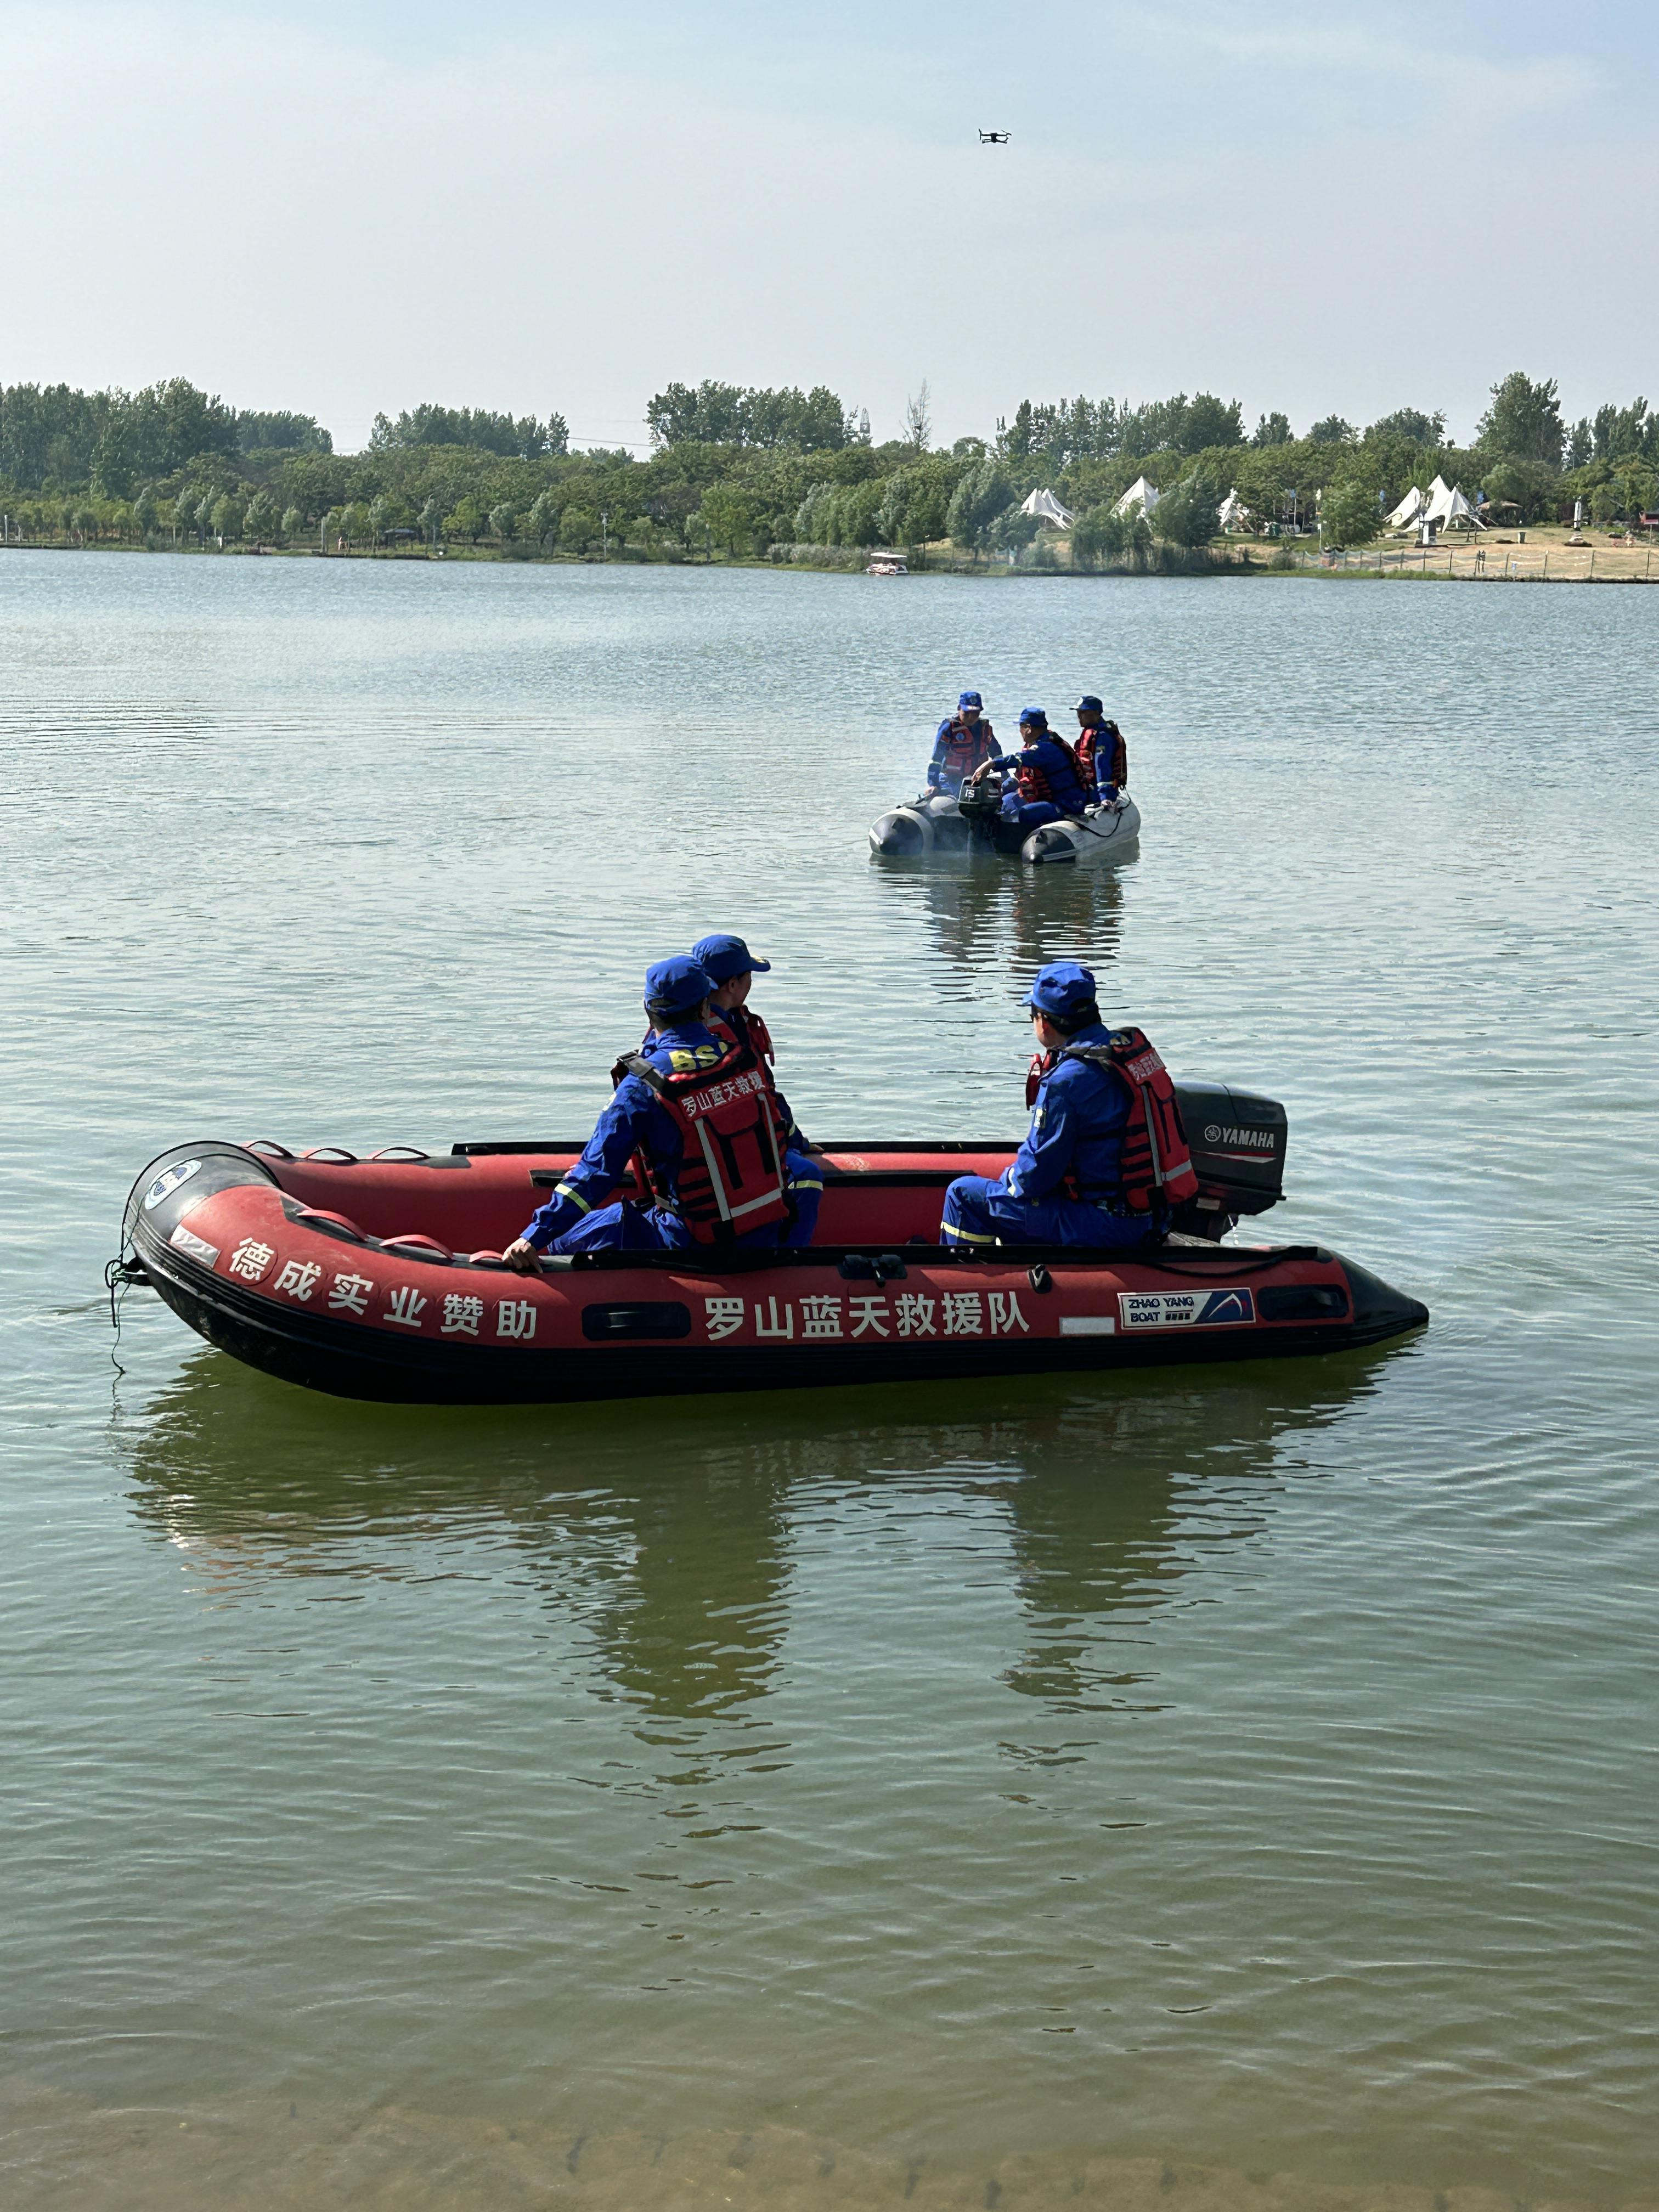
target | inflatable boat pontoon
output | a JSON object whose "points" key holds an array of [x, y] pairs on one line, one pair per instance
{"points": [[935, 826], [382, 1278]]}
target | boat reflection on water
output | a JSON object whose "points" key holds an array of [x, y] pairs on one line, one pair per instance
{"points": [[1017, 921], [665, 1538]]}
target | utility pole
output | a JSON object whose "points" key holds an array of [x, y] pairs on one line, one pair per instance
{"points": [[605, 533]]}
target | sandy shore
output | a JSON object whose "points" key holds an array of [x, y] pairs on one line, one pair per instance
{"points": [[1543, 557]]}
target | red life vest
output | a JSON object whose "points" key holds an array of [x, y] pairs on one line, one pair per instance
{"points": [[1064, 788], [966, 748], [731, 1177], [749, 1029], [1091, 751], [1155, 1164]]}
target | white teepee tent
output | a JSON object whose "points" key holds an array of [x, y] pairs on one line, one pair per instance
{"points": [[1047, 508], [1447, 505], [1407, 511], [1140, 493], [1233, 510]]}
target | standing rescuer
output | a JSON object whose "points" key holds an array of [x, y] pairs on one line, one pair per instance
{"points": [[962, 744], [695, 1109], [1106, 1156], [1101, 754]]}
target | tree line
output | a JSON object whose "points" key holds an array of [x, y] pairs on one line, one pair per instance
{"points": [[739, 470]]}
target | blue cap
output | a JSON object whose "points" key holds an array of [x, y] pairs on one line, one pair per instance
{"points": [[1090, 701], [1033, 715], [970, 699], [676, 985], [726, 956], [1064, 988]]}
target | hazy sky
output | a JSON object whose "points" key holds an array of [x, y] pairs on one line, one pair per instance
{"points": [[1313, 207]]}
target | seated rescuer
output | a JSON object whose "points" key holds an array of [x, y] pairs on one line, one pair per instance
{"points": [[734, 967], [697, 1112], [1106, 1155], [1041, 782], [963, 743], [1101, 753]]}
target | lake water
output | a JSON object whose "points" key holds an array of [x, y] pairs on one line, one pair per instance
{"points": [[1226, 1789]]}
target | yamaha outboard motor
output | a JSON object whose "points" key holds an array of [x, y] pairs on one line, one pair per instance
{"points": [[1238, 1142]]}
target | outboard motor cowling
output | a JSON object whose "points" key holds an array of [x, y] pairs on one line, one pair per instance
{"points": [[1238, 1141]]}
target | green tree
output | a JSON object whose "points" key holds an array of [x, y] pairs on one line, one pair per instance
{"points": [[1409, 422], [431, 518], [227, 516], [1190, 514], [1533, 487], [1524, 419], [1103, 535], [292, 523], [1333, 431], [729, 519], [1348, 512], [980, 496], [1272, 430], [1210, 422], [577, 527], [145, 514], [467, 518], [260, 520], [543, 517], [1621, 430]]}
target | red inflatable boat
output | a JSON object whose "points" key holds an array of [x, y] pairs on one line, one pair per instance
{"points": [[382, 1277]]}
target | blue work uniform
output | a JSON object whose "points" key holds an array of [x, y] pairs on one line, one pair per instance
{"points": [[578, 1219], [1047, 753], [1076, 1130], [946, 775]]}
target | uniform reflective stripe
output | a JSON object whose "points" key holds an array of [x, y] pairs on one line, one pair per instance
{"points": [[965, 1236], [563, 1190], [714, 1176]]}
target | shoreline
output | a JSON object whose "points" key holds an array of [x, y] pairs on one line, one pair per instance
{"points": [[1474, 562]]}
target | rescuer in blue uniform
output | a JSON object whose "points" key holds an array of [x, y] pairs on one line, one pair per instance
{"points": [[676, 1076], [1076, 1140], [1041, 782], [734, 967], [962, 744]]}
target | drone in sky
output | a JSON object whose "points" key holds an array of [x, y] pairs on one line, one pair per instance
{"points": [[994, 137]]}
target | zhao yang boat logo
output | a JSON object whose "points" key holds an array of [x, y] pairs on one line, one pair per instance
{"points": [[167, 1181]]}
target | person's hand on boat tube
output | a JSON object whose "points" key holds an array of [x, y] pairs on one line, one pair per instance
{"points": [[522, 1257]]}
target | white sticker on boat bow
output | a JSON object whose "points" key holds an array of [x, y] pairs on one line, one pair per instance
{"points": [[166, 1183], [1088, 1324], [1223, 1308], [194, 1247]]}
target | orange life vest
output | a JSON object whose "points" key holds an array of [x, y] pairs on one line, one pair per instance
{"points": [[1104, 742], [1066, 789], [1156, 1166], [731, 1178], [965, 748]]}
